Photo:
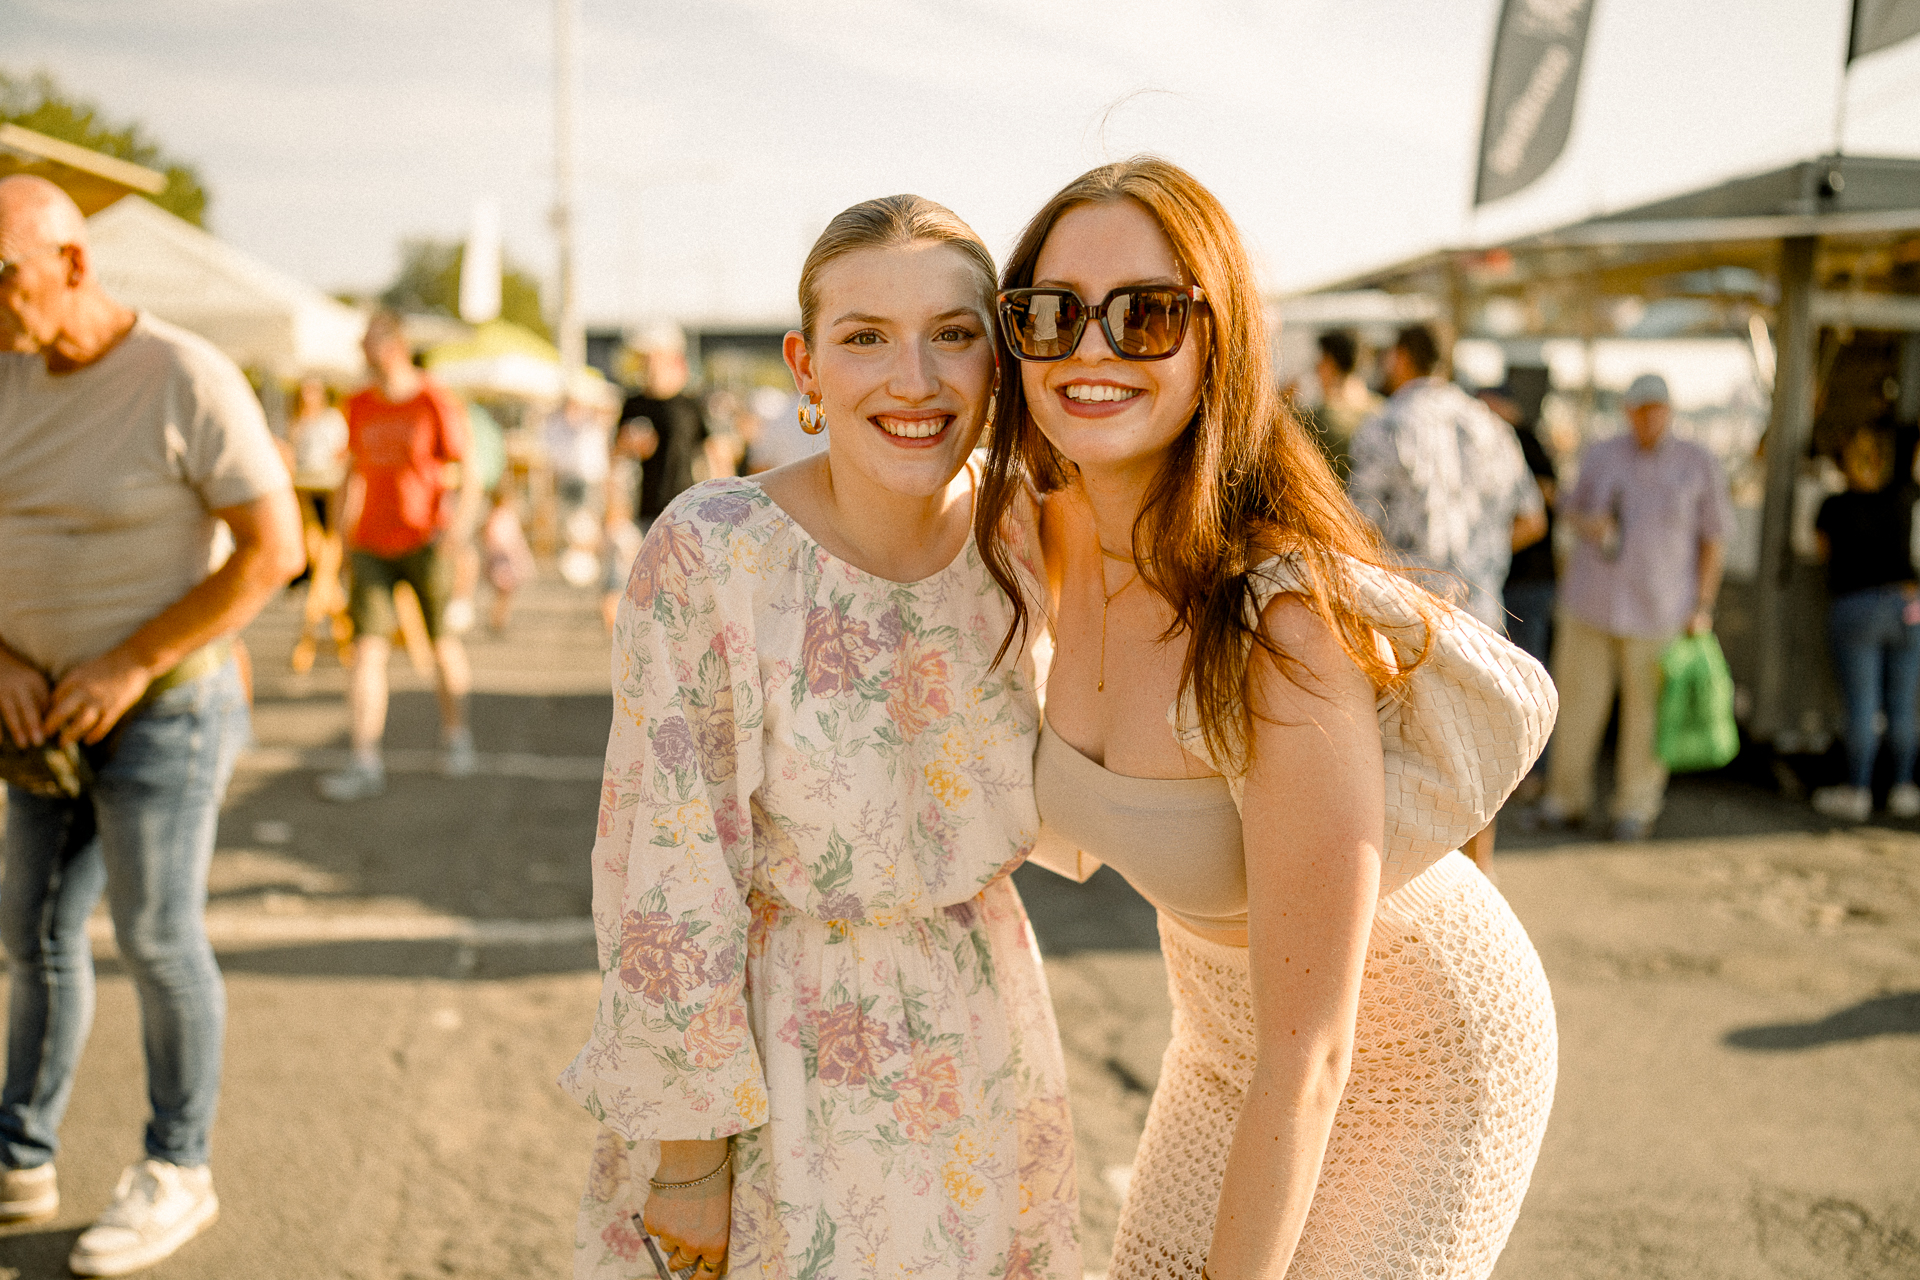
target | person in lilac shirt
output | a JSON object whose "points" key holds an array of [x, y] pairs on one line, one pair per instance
{"points": [[1652, 517]]}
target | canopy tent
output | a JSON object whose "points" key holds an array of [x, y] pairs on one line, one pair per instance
{"points": [[93, 180], [262, 318], [505, 359], [1800, 259]]}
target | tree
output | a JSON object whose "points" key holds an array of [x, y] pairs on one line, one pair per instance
{"points": [[429, 282], [37, 102]]}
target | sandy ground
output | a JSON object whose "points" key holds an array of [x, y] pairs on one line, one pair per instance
{"points": [[1739, 1009]]}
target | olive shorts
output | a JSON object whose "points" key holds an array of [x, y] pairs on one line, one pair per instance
{"points": [[370, 602]]}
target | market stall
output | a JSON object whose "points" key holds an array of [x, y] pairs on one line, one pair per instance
{"points": [[264, 319], [1815, 268]]}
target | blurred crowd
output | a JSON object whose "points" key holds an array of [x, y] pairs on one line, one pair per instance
{"points": [[571, 485], [1595, 556]]}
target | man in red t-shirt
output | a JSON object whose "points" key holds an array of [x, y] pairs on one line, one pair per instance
{"points": [[403, 436]]}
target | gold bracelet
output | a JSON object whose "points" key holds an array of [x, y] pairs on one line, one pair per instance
{"points": [[721, 1168]]}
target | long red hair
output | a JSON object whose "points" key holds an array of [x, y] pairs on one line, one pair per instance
{"points": [[1243, 482]]}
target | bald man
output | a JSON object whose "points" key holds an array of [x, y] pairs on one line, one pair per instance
{"points": [[124, 442]]}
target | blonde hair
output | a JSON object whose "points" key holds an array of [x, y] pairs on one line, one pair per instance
{"points": [[888, 222]]}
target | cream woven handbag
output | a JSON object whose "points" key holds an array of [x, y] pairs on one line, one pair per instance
{"points": [[1457, 737]]}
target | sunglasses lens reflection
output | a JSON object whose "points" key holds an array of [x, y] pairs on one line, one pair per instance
{"points": [[1043, 326], [1145, 324], [1148, 323]]}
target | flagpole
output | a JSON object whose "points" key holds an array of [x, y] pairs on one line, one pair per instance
{"points": [[1846, 78], [569, 331]]}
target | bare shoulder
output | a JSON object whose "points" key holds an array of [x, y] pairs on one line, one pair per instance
{"points": [[1312, 672]]}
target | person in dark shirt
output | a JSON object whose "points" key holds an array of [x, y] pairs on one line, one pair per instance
{"points": [[1529, 591], [664, 427], [665, 430], [1345, 400], [1865, 537]]}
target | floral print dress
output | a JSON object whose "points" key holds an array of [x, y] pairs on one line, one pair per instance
{"points": [[816, 786]]}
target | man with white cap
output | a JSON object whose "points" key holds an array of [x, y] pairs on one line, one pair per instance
{"points": [[1652, 517], [124, 442]]}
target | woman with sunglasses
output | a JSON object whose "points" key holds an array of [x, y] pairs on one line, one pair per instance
{"points": [[1281, 742], [824, 1045]]}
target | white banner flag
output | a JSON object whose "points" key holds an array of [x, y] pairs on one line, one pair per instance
{"points": [[480, 265]]}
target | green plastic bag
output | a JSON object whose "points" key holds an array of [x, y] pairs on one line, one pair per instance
{"points": [[1697, 730]]}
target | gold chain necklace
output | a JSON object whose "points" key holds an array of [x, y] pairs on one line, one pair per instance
{"points": [[1106, 602]]}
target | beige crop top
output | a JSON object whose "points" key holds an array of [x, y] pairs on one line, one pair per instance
{"points": [[1176, 839]]}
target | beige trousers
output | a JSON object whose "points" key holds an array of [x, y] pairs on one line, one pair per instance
{"points": [[1589, 665]]}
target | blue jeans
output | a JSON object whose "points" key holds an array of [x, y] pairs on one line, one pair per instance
{"points": [[1877, 657], [144, 833]]}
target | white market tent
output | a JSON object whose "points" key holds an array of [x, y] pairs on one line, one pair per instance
{"points": [[264, 319]]}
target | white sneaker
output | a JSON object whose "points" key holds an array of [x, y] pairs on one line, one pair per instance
{"points": [[1904, 800], [458, 759], [355, 782], [157, 1208], [26, 1194], [1847, 804]]}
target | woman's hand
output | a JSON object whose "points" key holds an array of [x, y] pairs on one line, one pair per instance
{"points": [[692, 1222]]}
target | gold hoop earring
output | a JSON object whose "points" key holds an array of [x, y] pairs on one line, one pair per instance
{"points": [[811, 422]]}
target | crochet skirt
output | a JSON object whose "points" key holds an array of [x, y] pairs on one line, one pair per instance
{"points": [[1436, 1135]]}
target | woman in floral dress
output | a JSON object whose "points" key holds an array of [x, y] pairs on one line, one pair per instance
{"points": [[822, 1010]]}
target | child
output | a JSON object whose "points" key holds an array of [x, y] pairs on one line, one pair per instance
{"points": [[508, 557]]}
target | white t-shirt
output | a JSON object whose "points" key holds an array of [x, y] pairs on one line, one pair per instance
{"points": [[109, 478], [320, 450], [577, 446]]}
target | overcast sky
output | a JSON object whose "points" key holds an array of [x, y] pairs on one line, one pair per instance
{"points": [[717, 137]]}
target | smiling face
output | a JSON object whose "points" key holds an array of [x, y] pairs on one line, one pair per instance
{"points": [[901, 362], [1101, 412]]}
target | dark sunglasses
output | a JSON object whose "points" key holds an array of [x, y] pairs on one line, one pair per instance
{"points": [[1142, 322]]}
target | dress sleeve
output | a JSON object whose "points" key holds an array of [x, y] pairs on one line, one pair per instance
{"points": [[671, 1056]]}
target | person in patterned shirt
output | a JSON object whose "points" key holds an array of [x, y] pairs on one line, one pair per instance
{"points": [[1445, 481]]}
